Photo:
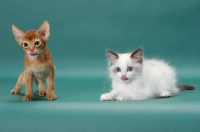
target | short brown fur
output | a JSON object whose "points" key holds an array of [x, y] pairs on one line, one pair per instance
{"points": [[38, 68]]}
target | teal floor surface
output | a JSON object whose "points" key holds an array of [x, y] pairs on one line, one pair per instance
{"points": [[78, 109]]}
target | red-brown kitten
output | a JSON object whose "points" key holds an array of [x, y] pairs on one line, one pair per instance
{"points": [[38, 62]]}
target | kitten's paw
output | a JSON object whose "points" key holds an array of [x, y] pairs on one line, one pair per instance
{"points": [[165, 94], [15, 91], [51, 96], [42, 93], [27, 98], [106, 97], [121, 98]]}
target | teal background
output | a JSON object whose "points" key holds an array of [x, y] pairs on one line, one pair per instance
{"points": [[80, 33]]}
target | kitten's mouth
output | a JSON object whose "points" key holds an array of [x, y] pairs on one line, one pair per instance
{"points": [[124, 78], [33, 54]]}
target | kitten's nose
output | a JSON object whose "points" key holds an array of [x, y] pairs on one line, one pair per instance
{"points": [[32, 51], [123, 77]]}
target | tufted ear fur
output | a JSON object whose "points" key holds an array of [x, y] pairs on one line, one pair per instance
{"points": [[137, 55], [44, 30], [19, 35], [112, 57]]}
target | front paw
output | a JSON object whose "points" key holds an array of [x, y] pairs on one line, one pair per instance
{"points": [[51, 96], [121, 98], [106, 97], [15, 91], [27, 98], [42, 93]]}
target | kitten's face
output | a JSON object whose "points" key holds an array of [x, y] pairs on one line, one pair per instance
{"points": [[125, 67], [33, 42]]}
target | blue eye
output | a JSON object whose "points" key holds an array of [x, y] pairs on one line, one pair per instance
{"points": [[129, 68], [118, 69]]}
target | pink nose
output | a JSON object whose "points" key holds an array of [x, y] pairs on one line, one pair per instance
{"points": [[32, 51], [123, 77]]}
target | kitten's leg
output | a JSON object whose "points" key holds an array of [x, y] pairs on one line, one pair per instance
{"points": [[165, 94], [29, 81], [19, 84], [50, 90], [41, 86], [121, 97], [108, 96]]}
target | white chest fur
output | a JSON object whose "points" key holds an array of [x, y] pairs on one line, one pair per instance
{"points": [[39, 71]]}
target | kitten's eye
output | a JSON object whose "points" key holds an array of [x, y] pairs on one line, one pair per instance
{"points": [[118, 69], [37, 42], [25, 44], [129, 68]]}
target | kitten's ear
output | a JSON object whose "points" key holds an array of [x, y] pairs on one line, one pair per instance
{"points": [[44, 30], [112, 56], [19, 35], [137, 55]]}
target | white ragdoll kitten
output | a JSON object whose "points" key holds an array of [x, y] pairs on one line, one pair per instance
{"points": [[135, 78]]}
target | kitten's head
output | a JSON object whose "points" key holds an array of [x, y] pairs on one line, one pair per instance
{"points": [[125, 67], [33, 42]]}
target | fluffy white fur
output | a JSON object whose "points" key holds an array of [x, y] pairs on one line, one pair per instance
{"points": [[147, 79]]}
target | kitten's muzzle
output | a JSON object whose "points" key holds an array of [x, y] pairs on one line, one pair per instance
{"points": [[123, 77], [33, 53]]}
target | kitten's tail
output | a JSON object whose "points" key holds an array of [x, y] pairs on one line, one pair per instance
{"points": [[185, 87]]}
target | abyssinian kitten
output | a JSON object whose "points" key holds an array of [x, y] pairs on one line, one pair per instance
{"points": [[38, 63], [136, 78]]}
